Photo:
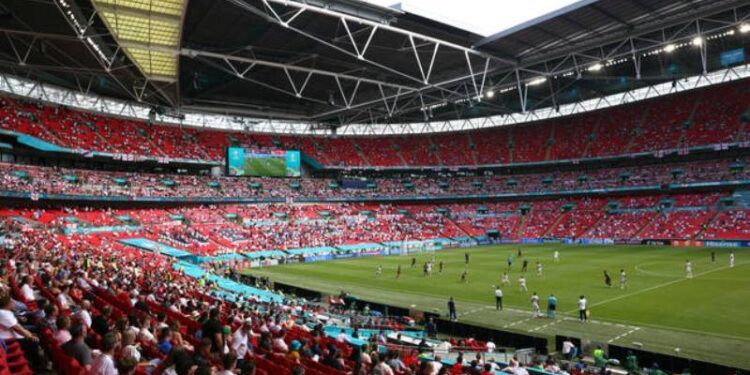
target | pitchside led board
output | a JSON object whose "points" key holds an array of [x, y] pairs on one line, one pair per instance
{"points": [[261, 163]]}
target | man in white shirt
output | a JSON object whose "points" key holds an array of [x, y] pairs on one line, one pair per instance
{"points": [[84, 315], [342, 337], [567, 349], [583, 315], [9, 327], [437, 364], [27, 292], [104, 364], [241, 339], [65, 301], [498, 298], [279, 343], [535, 310], [522, 284], [490, 346]]}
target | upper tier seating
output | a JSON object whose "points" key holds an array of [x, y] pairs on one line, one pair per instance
{"points": [[700, 117]]}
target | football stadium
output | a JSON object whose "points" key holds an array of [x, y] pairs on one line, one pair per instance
{"points": [[374, 187]]}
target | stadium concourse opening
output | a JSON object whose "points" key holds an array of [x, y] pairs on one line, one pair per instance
{"points": [[341, 187]]}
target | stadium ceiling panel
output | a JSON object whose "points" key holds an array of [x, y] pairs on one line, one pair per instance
{"points": [[148, 31], [343, 63]]}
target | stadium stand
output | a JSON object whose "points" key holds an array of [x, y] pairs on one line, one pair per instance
{"points": [[614, 132], [127, 246]]}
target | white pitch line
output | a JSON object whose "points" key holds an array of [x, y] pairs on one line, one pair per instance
{"points": [[623, 335], [475, 311], [655, 287], [546, 325], [519, 322]]}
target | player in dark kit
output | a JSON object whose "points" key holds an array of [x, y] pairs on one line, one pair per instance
{"points": [[398, 272], [466, 256], [525, 265], [440, 267], [607, 279], [413, 262]]}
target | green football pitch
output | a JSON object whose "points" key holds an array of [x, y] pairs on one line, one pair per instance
{"points": [[705, 317], [273, 167]]}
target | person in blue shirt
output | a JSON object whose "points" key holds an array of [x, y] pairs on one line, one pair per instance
{"points": [[165, 341], [551, 306]]}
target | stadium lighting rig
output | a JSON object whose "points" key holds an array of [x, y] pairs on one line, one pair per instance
{"points": [[595, 68], [537, 81]]}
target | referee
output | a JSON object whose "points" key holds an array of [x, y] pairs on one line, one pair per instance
{"points": [[498, 298]]}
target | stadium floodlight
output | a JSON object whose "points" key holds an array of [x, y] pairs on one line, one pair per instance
{"points": [[490, 94], [698, 41], [744, 28], [537, 81], [669, 48], [596, 67]]}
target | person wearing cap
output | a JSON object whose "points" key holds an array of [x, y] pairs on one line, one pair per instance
{"points": [[294, 347]]}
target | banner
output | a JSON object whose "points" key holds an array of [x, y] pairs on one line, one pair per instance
{"points": [[317, 258]]}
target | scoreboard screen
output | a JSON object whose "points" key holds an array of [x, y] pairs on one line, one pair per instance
{"points": [[262, 163]]}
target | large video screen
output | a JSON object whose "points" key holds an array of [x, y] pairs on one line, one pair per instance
{"points": [[262, 163]]}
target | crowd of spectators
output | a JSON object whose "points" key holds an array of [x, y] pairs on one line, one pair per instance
{"points": [[695, 118], [226, 229], [51, 180], [84, 307]]}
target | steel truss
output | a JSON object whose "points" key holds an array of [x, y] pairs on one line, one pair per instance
{"points": [[471, 85], [85, 100], [480, 74]]}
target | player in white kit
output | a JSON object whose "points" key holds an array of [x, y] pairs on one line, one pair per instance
{"points": [[505, 279], [556, 256], [535, 310], [689, 269], [731, 259], [522, 283]]}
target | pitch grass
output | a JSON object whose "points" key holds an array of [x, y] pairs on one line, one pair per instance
{"points": [[705, 317], [272, 167]]}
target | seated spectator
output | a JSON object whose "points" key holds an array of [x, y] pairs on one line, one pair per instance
{"points": [[76, 347], [104, 364], [11, 329], [279, 344], [62, 335], [100, 323], [129, 349], [164, 343], [229, 365]]}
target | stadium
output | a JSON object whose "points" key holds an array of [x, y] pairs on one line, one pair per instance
{"points": [[360, 187]]}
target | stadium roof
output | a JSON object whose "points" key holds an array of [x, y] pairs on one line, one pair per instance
{"points": [[338, 62]]}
